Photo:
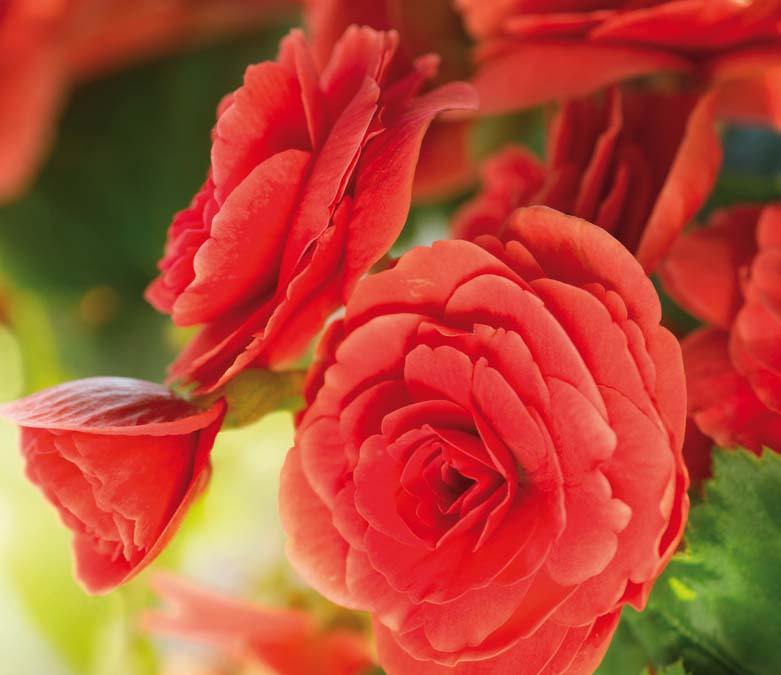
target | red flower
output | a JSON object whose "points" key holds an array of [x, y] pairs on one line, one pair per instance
{"points": [[640, 164], [121, 460], [32, 82], [490, 462], [446, 164], [309, 187], [728, 275], [564, 48], [285, 640]]}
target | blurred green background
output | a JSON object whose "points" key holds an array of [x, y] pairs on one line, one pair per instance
{"points": [[75, 255]]}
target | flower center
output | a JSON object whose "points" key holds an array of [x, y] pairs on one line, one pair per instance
{"points": [[447, 487]]}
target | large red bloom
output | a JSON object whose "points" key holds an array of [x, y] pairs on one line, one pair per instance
{"points": [[446, 165], [728, 274], [640, 164], [309, 186], [490, 459], [553, 49], [121, 460], [288, 641]]}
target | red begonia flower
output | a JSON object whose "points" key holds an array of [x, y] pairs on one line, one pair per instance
{"points": [[534, 51], [309, 186], [490, 461], [121, 460], [446, 165], [45, 46], [721, 400], [728, 274], [287, 641], [639, 164]]}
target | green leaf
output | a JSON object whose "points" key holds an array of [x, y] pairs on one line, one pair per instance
{"points": [[626, 655], [675, 669], [717, 603], [492, 134]]}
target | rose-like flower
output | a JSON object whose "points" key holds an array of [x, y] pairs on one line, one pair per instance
{"points": [[45, 46], [728, 274], [554, 49], [490, 461], [121, 460], [287, 641], [640, 164], [446, 165], [309, 187]]}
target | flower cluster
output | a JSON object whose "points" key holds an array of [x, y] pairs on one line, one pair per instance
{"points": [[490, 456]]}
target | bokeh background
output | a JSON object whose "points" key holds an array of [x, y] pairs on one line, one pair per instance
{"points": [[76, 251]]}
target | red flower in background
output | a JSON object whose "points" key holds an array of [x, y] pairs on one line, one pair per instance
{"points": [[121, 460], [286, 640], [490, 461], [639, 164], [555, 49], [309, 186], [46, 46], [32, 77], [728, 274], [432, 27]]}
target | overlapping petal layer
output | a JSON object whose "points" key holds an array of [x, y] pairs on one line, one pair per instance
{"points": [[557, 50], [121, 460], [434, 27], [728, 274], [490, 461], [639, 164], [310, 184]]}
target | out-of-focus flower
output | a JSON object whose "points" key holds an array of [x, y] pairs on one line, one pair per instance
{"points": [[639, 164], [490, 461], [534, 51], [309, 186], [103, 35], [432, 27], [121, 460], [46, 45], [287, 641], [32, 83], [728, 274]]}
